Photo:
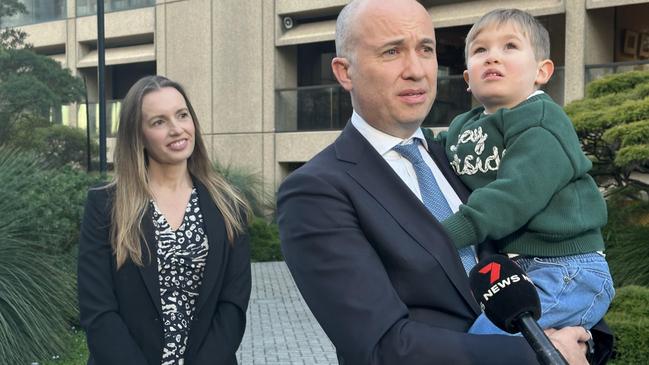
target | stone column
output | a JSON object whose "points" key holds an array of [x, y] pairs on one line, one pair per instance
{"points": [[575, 44]]}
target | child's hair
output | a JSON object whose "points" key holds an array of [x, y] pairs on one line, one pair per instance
{"points": [[529, 26]]}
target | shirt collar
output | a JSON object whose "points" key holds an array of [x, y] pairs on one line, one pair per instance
{"points": [[537, 92], [383, 142]]}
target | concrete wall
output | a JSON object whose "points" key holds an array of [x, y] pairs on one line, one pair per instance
{"points": [[232, 56]]}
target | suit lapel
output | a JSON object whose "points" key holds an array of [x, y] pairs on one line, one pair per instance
{"points": [[213, 223], [149, 271], [379, 180]]}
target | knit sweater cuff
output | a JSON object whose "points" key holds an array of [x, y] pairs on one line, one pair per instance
{"points": [[461, 231]]}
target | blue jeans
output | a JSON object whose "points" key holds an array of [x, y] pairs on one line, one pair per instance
{"points": [[574, 291]]}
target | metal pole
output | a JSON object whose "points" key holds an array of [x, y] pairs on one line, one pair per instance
{"points": [[102, 93], [88, 149]]}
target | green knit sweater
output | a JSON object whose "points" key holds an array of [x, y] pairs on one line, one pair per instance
{"points": [[531, 191]]}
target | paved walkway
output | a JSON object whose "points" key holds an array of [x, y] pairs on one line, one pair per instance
{"points": [[281, 329]]}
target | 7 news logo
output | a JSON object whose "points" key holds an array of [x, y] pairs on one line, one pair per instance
{"points": [[493, 269]]}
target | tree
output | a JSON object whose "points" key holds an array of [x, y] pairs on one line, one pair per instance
{"points": [[11, 38], [612, 122], [30, 84]]}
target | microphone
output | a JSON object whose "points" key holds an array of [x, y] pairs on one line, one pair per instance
{"points": [[510, 301]]}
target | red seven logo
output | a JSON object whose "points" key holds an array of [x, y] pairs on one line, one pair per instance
{"points": [[494, 267]]}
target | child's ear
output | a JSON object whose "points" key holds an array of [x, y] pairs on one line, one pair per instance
{"points": [[466, 79], [545, 71]]}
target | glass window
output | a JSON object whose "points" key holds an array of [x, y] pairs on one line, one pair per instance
{"points": [[38, 11], [89, 7]]}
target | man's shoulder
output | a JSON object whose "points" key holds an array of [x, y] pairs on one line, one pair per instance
{"points": [[323, 163]]}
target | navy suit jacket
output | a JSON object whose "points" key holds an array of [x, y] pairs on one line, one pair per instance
{"points": [[120, 309], [376, 268]]}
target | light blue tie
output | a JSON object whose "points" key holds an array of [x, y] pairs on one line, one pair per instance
{"points": [[432, 196]]}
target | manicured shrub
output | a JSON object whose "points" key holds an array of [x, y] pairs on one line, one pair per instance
{"points": [[611, 123], [628, 317], [264, 241], [616, 83]]}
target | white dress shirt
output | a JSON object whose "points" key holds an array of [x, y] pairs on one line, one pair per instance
{"points": [[383, 144]]}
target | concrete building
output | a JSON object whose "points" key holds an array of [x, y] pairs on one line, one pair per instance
{"points": [[258, 71]]}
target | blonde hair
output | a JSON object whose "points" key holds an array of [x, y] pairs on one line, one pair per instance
{"points": [[529, 26], [130, 182]]}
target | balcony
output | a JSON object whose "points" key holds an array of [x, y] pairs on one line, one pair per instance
{"points": [[89, 7], [38, 11], [328, 107]]}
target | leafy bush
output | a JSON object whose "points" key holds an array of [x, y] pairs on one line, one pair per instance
{"points": [[250, 185], [264, 241], [613, 126], [618, 83], [37, 287], [57, 198], [628, 317], [59, 145]]}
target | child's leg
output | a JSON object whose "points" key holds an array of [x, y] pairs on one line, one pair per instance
{"points": [[574, 291]]}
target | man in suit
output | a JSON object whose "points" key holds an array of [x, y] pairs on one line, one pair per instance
{"points": [[371, 261]]}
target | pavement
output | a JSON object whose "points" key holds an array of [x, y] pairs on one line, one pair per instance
{"points": [[280, 328]]}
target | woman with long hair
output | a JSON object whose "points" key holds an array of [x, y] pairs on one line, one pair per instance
{"points": [[164, 258]]}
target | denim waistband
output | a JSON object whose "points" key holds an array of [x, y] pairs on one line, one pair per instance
{"points": [[583, 257]]}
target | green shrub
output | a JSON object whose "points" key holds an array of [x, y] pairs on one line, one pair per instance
{"points": [[59, 145], [627, 240], [57, 197], [616, 83], [612, 126], [77, 352], [627, 112], [264, 241], [250, 185], [628, 317], [37, 289]]}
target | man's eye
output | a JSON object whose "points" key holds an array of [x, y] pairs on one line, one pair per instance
{"points": [[428, 49], [391, 52]]}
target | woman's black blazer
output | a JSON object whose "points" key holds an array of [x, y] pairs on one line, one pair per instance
{"points": [[120, 309]]}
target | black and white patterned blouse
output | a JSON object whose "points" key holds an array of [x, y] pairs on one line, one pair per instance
{"points": [[181, 256]]}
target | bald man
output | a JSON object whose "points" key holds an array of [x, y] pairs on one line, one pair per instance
{"points": [[373, 264]]}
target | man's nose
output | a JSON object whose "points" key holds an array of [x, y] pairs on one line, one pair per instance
{"points": [[413, 68]]}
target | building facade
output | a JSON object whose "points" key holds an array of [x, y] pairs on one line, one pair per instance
{"points": [[258, 71]]}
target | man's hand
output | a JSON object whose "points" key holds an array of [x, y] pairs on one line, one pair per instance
{"points": [[571, 343]]}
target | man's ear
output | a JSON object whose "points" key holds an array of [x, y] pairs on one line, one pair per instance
{"points": [[340, 68], [545, 71], [466, 79]]}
